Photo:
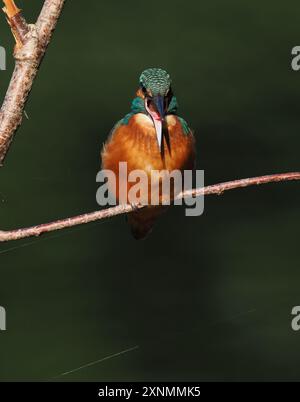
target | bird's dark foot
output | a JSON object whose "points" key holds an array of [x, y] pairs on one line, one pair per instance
{"points": [[135, 207]]}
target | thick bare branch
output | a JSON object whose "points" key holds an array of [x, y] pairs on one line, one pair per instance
{"points": [[31, 44], [124, 209], [47, 20]]}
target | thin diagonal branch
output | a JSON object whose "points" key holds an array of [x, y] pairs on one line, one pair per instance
{"points": [[31, 45], [124, 209]]}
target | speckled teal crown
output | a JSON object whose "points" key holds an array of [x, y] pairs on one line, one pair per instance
{"points": [[156, 80]]}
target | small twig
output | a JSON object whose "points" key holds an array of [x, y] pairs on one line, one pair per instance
{"points": [[124, 209], [10, 8], [31, 45], [16, 21]]}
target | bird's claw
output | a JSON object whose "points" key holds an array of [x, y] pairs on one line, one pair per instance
{"points": [[135, 207]]}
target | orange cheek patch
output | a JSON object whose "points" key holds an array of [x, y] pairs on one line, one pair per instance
{"points": [[143, 119], [171, 121]]}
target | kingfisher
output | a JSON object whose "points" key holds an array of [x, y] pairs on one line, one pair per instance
{"points": [[152, 137]]}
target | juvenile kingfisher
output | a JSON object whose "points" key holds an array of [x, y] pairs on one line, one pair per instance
{"points": [[151, 137]]}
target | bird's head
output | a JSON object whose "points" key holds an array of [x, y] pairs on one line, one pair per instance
{"points": [[155, 85]]}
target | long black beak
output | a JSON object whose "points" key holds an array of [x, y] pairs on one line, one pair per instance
{"points": [[159, 104], [157, 115]]}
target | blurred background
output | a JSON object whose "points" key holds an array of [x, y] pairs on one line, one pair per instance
{"points": [[206, 298]]}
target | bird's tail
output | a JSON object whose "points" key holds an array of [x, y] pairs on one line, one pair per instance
{"points": [[141, 222]]}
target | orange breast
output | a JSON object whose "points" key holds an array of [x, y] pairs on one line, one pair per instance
{"points": [[136, 144]]}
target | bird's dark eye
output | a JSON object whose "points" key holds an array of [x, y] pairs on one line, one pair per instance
{"points": [[170, 93], [169, 96], [146, 93]]}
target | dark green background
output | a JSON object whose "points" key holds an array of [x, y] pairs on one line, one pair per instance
{"points": [[206, 298]]}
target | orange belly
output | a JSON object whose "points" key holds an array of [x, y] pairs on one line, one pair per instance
{"points": [[136, 144]]}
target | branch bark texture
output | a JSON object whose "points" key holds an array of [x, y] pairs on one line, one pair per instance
{"points": [[31, 44], [217, 189]]}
